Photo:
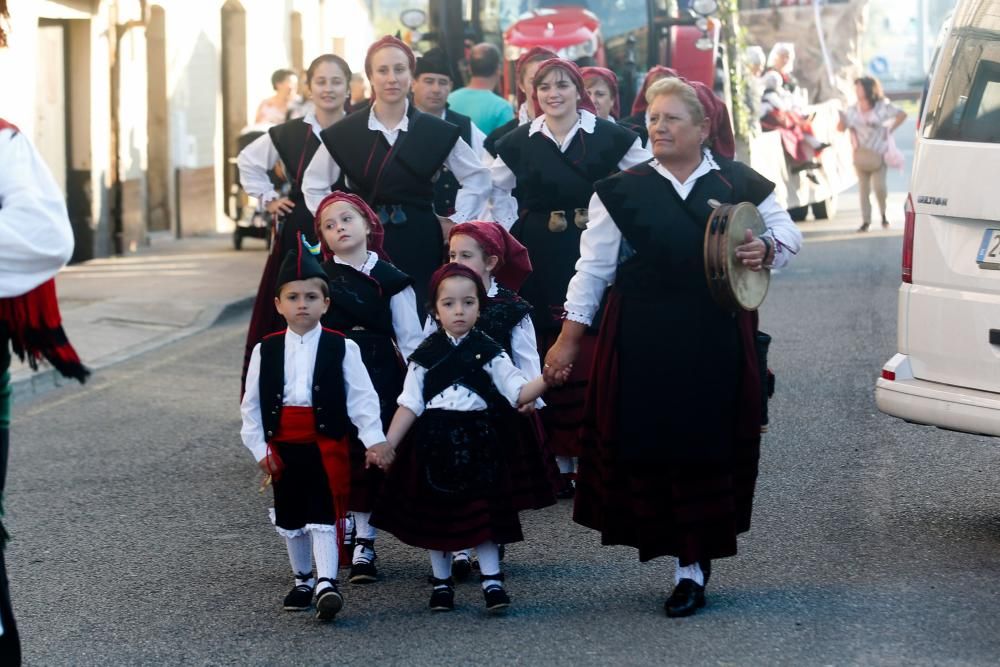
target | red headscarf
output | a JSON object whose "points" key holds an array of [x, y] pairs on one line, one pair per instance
{"points": [[450, 271], [375, 236], [535, 54], [654, 74], [514, 266], [720, 131], [388, 42], [571, 70], [609, 78]]}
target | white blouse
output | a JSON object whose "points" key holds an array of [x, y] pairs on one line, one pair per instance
{"points": [[36, 239], [405, 320], [505, 375], [300, 363], [600, 242], [259, 157], [467, 167], [504, 180]]}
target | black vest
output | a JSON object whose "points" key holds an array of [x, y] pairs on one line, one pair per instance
{"points": [[329, 397], [501, 314], [359, 300], [446, 187], [296, 144], [388, 175], [549, 179], [461, 364], [637, 124]]}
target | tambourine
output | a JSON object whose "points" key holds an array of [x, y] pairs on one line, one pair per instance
{"points": [[733, 285]]}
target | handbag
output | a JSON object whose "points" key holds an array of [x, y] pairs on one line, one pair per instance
{"points": [[865, 159]]}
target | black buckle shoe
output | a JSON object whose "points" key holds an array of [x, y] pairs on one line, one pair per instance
{"points": [[443, 595], [329, 601], [687, 598], [568, 489], [496, 597], [364, 571], [299, 598]]}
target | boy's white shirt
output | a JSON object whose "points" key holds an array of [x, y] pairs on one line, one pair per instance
{"points": [[300, 362], [506, 377]]}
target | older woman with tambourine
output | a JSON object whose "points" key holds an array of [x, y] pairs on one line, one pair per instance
{"points": [[672, 434]]}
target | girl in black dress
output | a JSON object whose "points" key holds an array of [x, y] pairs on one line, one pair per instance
{"points": [[450, 484]]}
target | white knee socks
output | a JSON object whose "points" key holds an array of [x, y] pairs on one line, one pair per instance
{"points": [[441, 564], [489, 560], [326, 552], [364, 529], [300, 557]]}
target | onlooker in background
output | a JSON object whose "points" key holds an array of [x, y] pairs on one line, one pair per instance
{"points": [[872, 121], [755, 61], [359, 92], [477, 100], [782, 60], [275, 109]]}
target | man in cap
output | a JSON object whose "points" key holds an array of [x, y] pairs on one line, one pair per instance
{"points": [[431, 84]]}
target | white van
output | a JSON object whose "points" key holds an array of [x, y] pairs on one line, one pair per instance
{"points": [[947, 371]]}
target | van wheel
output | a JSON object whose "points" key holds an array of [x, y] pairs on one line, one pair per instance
{"points": [[826, 209], [799, 213]]}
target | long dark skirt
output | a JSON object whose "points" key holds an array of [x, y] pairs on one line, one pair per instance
{"points": [[264, 319], [302, 490], [671, 507], [449, 487], [387, 371]]}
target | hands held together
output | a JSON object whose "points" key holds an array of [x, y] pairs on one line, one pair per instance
{"points": [[381, 455]]}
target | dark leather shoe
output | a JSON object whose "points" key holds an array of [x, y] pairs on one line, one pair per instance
{"points": [[686, 599]]}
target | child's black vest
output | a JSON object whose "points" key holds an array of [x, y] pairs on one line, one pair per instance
{"points": [[329, 398], [461, 364], [501, 314], [359, 300]]}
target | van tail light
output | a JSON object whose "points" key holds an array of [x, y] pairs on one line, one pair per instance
{"points": [[888, 375], [910, 216]]}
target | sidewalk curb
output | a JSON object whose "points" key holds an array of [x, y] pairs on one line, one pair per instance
{"points": [[48, 378]]}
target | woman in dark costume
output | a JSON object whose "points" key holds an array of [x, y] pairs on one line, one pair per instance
{"points": [[372, 303], [293, 144], [390, 154], [553, 162], [672, 433]]}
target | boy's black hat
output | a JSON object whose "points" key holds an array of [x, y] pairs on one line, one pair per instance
{"points": [[433, 62], [299, 264]]}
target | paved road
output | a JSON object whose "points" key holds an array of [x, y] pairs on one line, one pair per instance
{"points": [[140, 536]]}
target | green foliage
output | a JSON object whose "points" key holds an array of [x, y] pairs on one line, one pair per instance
{"points": [[735, 43]]}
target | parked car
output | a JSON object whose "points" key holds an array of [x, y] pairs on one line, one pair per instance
{"points": [[947, 370]]}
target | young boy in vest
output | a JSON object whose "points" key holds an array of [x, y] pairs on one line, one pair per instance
{"points": [[306, 389]]}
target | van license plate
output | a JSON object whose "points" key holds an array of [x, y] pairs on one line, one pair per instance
{"points": [[989, 250]]}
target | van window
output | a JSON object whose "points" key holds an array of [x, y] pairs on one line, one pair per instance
{"points": [[967, 93]]}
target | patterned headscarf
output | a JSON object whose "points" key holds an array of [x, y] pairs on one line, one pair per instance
{"points": [[609, 78], [573, 72], [376, 235]]}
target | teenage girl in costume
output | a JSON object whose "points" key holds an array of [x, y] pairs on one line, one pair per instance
{"points": [[553, 162], [293, 143]]}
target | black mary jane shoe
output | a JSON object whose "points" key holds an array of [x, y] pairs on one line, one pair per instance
{"points": [[568, 489], [443, 595], [461, 568], [496, 597], [299, 598], [329, 601], [687, 598]]}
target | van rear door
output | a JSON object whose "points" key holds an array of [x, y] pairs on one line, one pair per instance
{"points": [[953, 306]]}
